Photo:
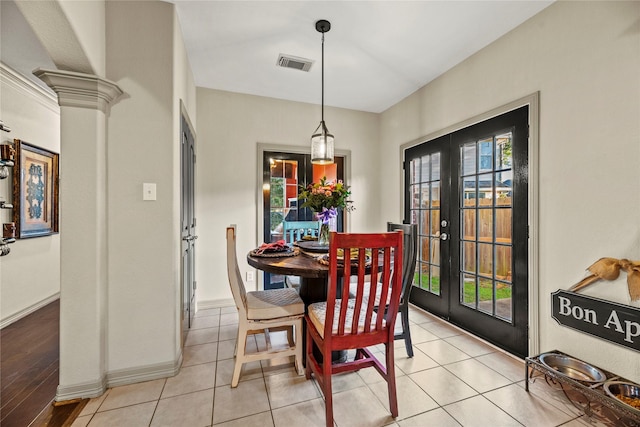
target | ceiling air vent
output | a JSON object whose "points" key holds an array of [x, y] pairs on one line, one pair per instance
{"points": [[288, 61]]}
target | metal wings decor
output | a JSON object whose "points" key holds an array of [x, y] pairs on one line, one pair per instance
{"points": [[609, 269]]}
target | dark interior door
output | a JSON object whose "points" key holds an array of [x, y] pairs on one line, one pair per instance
{"points": [[472, 268], [188, 223]]}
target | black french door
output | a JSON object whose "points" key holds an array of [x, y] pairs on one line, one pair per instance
{"points": [[468, 193]]}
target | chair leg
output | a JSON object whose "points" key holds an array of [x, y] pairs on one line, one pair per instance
{"points": [[404, 316], [241, 345], [391, 380], [299, 352], [328, 392], [290, 336], [308, 351]]}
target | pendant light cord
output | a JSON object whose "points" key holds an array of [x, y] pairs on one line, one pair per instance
{"points": [[322, 108]]}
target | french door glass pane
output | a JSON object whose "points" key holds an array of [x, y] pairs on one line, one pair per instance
{"points": [[424, 276], [503, 151], [468, 159], [468, 294], [424, 169], [469, 191], [486, 224], [485, 219], [486, 155], [425, 211], [469, 257], [415, 199]]}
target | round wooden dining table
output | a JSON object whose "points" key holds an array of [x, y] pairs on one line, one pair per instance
{"points": [[313, 282], [313, 275]]}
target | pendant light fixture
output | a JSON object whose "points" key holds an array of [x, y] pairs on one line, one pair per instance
{"points": [[322, 140]]}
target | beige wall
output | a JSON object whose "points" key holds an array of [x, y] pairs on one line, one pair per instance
{"points": [[584, 58], [230, 126], [143, 147], [72, 32], [87, 19], [30, 274]]}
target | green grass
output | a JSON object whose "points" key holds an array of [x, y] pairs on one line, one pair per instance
{"points": [[485, 288], [435, 282], [485, 291]]}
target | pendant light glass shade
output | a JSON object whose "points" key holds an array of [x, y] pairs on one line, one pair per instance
{"points": [[322, 146], [322, 140]]}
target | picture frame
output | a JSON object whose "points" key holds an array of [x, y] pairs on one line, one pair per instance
{"points": [[35, 191]]}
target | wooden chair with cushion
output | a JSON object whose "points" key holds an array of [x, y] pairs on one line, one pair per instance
{"points": [[292, 232], [263, 312], [409, 248], [409, 252], [345, 323]]}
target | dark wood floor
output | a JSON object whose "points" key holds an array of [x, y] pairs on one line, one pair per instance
{"points": [[29, 349]]}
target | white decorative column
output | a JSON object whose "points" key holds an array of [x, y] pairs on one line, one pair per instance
{"points": [[85, 102]]}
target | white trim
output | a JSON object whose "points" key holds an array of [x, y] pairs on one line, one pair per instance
{"points": [[533, 101], [27, 311], [118, 378], [27, 87], [80, 89], [215, 303], [293, 149], [534, 221], [83, 390], [144, 373]]}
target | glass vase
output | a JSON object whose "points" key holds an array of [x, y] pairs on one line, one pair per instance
{"points": [[323, 236]]}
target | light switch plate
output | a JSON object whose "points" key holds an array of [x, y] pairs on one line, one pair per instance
{"points": [[149, 191]]}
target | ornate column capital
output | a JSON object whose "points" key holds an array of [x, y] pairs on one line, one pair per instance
{"points": [[80, 90]]}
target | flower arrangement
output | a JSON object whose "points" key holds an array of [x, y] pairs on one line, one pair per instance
{"points": [[325, 198]]}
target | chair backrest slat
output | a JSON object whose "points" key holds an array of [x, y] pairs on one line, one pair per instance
{"points": [[385, 252], [384, 290], [373, 287], [295, 230], [233, 272]]}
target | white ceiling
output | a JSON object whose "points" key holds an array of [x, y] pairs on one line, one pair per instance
{"points": [[376, 54]]}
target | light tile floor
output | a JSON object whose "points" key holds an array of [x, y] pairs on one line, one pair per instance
{"points": [[454, 379]]}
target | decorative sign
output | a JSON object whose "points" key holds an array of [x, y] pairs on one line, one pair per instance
{"points": [[613, 322]]}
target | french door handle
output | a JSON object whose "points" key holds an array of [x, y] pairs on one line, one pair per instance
{"points": [[444, 236]]}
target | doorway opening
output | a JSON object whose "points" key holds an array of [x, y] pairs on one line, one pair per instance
{"points": [[283, 174]]}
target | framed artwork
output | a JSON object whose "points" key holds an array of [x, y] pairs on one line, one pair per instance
{"points": [[35, 191]]}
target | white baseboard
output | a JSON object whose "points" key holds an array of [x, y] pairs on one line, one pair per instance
{"points": [[117, 378], [215, 303], [84, 390], [144, 373], [27, 311]]}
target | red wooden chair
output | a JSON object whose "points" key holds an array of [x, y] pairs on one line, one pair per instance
{"points": [[353, 322]]}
